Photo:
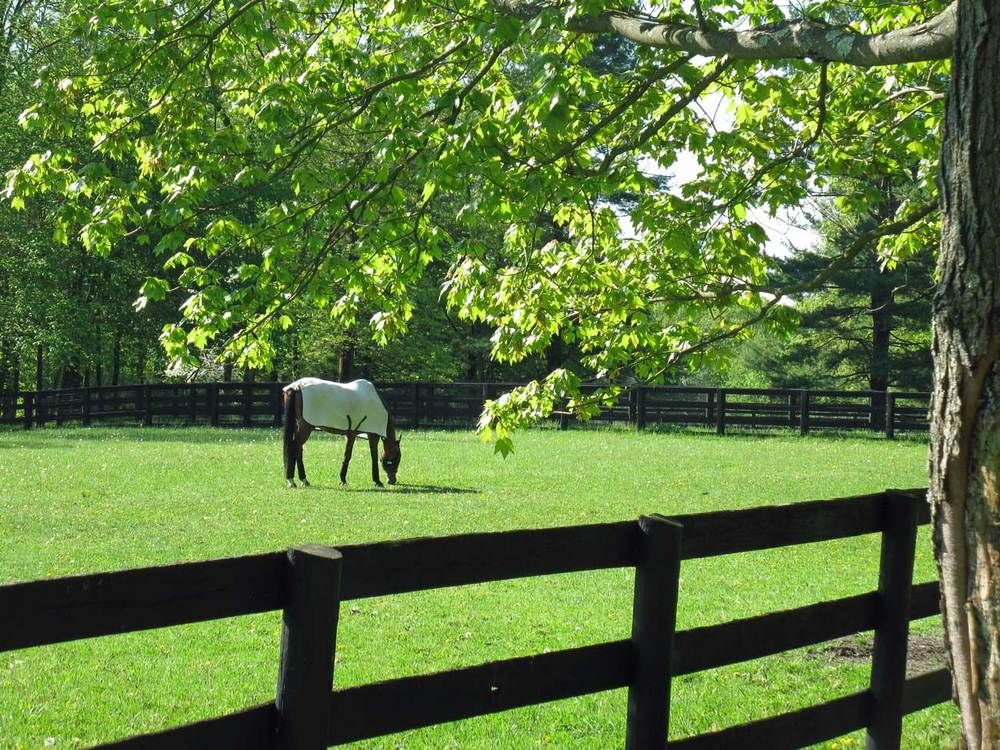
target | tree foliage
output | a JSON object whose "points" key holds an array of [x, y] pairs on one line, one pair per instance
{"points": [[300, 152]]}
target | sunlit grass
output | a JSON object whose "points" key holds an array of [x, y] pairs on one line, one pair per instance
{"points": [[81, 500]]}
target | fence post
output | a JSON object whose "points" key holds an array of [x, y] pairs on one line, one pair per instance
{"points": [[640, 408], [191, 389], [245, 406], [12, 413], [147, 406], [308, 643], [213, 403], [29, 409], [654, 613], [85, 406], [804, 411], [720, 411], [890, 415], [416, 405], [885, 723]]}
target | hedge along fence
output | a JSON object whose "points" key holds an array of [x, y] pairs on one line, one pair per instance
{"points": [[309, 583], [251, 404]]}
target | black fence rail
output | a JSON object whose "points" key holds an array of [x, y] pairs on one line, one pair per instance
{"points": [[257, 404], [309, 583]]}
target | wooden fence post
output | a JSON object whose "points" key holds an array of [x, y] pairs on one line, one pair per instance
{"points": [[308, 644], [804, 411], [192, 404], [890, 415], [640, 408], [213, 403], [85, 406], [245, 405], [147, 405], [14, 395], [416, 405], [654, 614], [885, 723], [29, 409], [720, 411]]}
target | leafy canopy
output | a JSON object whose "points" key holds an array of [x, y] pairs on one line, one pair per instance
{"points": [[330, 152]]}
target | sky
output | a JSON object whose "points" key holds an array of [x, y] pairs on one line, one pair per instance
{"points": [[787, 230]]}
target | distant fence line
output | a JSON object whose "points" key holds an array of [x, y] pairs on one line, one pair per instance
{"points": [[309, 583], [424, 404]]}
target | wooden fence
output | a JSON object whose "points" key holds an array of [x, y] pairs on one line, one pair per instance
{"points": [[309, 583], [459, 404]]}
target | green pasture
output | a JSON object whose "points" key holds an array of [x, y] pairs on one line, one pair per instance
{"points": [[83, 500]]}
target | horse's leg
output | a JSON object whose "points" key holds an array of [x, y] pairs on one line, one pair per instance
{"points": [[305, 430], [288, 437], [348, 450], [373, 447], [291, 451]]}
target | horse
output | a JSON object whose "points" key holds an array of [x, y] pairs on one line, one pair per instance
{"points": [[348, 409]]}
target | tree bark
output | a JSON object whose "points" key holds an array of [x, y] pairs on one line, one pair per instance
{"points": [[965, 411], [116, 360], [880, 362], [795, 38], [345, 362], [881, 312]]}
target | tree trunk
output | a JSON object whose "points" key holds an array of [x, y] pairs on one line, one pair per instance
{"points": [[116, 361], [879, 364], [15, 388], [4, 359], [555, 354], [965, 412], [345, 362], [39, 373]]}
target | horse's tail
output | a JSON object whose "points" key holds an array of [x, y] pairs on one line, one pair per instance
{"points": [[289, 437]]}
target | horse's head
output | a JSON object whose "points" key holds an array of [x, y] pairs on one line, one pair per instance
{"points": [[391, 456]]}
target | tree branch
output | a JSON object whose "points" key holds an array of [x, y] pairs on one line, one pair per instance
{"points": [[795, 38]]}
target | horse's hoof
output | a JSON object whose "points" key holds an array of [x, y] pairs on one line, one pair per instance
{"points": [[379, 484], [305, 483], [343, 482], [291, 485]]}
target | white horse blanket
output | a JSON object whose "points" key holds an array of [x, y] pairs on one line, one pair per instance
{"points": [[327, 404]]}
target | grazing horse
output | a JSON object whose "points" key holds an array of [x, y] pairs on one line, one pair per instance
{"points": [[349, 409]]}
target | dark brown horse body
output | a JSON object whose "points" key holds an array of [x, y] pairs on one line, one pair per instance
{"points": [[297, 431]]}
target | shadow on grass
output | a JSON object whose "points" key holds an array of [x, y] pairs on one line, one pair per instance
{"points": [[401, 489], [53, 436], [783, 433]]}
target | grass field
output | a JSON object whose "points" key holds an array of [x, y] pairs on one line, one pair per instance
{"points": [[82, 500]]}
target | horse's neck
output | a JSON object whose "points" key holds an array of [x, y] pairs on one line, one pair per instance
{"points": [[390, 429]]}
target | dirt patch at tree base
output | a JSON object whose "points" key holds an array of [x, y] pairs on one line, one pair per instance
{"points": [[925, 652]]}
